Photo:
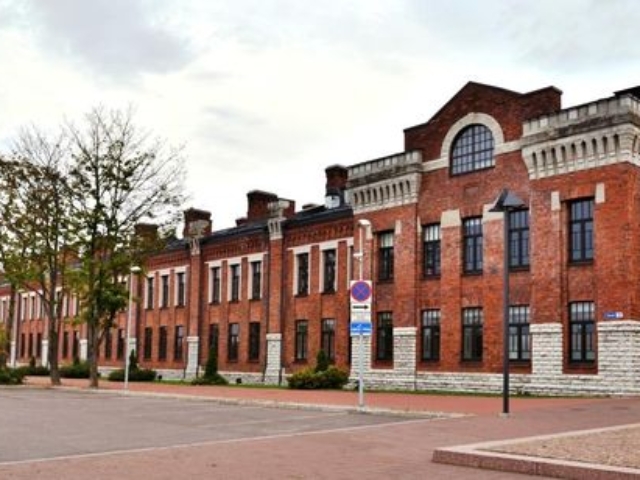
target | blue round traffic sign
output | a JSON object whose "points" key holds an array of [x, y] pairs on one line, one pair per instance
{"points": [[361, 291]]}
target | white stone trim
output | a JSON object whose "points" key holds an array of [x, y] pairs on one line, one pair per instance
{"points": [[600, 193], [489, 216], [450, 218], [232, 262], [176, 271], [258, 257], [555, 202]]}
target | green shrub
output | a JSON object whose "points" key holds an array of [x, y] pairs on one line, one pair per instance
{"points": [[10, 376], [216, 379], [309, 379], [34, 371], [211, 368], [211, 375], [322, 362], [77, 369], [137, 375]]}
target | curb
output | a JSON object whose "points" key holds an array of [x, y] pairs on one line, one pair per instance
{"points": [[262, 403], [480, 455]]}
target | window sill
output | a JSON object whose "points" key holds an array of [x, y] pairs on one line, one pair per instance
{"points": [[524, 268], [329, 292], [435, 276], [301, 295], [472, 273], [580, 263], [234, 300], [214, 302], [383, 281], [255, 299]]}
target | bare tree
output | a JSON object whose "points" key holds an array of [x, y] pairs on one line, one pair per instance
{"points": [[37, 227], [121, 176]]}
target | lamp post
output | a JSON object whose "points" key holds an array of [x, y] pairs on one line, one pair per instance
{"points": [[363, 224], [133, 271], [506, 203]]}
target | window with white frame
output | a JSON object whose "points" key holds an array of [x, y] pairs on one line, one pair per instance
{"points": [[234, 282], [180, 289], [329, 261], [216, 284], [256, 280], [164, 298], [302, 273]]}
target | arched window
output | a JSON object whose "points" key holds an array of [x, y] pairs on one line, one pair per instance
{"points": [[472, 150]]}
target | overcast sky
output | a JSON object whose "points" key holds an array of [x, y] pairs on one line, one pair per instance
{"points": [[265, 94]]}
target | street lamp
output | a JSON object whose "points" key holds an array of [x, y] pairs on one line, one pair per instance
{"points": [[133, 271], [506, 203], [364, 225]]}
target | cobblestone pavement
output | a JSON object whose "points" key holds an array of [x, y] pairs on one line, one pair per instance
{"points": [[558, 425]]}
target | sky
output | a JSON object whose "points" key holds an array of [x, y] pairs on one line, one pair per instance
{"points": [[265, 94]]}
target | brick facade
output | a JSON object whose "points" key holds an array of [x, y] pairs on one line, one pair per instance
{"points": [[274, 290]]}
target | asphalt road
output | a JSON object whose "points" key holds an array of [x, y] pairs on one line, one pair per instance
{"points": [[54, 434]]}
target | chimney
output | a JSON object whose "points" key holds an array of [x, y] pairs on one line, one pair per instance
{"points": [[197, 223], [336, 183], [146, 231], [259, 204]]}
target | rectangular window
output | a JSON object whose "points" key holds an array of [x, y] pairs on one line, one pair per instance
{"points": [[76, 345], [431, 266], [581, 228], [108, 343], [178, 343], [214, 334], [181, 293], [519, 337], [302, 338], [23, 345], [148, 343], [164, 280], [233, 341], [302, 265], [120, 344], [215, 285], [254, 341], [385, 256], [39, 345], [65, 345], [582, 330], [472, 325], [328, 338], [329, 270], [431, 335], [234, 271], [256, 280], [472, 240], [519, 239], [150, 292], [30, 346], [384, 336], [162, 343]]}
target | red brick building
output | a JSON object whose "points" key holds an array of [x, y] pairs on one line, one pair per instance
{"points": [[271, 292]]}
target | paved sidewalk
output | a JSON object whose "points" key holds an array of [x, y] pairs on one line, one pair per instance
{"points": [[559, 449]]}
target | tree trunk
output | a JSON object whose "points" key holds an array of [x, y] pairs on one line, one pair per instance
{"points": [[52, 355], [92, 354]]}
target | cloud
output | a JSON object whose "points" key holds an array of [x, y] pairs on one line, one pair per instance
{"points": [[116, 38]]}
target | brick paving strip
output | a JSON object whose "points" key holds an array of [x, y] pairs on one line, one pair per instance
{"points": [[603, 454]]}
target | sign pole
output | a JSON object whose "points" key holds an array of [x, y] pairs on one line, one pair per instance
{"points": [[364, 224]]}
